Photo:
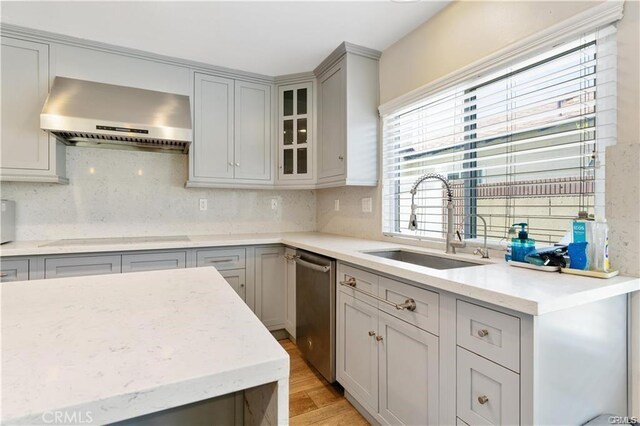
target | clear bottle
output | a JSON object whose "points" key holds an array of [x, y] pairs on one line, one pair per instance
{"points": [[513, 234], [601, 246]]}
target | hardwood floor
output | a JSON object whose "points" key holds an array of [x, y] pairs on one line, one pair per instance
{"points": [[313, 401]]}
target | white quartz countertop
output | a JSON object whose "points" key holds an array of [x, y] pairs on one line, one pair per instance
{"points": [[526, 291], [114, 347]]}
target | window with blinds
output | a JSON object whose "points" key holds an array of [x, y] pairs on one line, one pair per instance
{"points": [[524, 144]]}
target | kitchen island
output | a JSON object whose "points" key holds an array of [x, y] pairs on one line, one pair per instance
{"points": [[137, 348]]}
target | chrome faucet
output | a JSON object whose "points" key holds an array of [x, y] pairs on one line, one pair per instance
{"points": [[482, 251], [413, 219]]}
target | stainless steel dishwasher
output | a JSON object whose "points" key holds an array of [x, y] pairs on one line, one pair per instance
{"points": [[316, 311]]}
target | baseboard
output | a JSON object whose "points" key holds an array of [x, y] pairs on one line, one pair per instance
{"points": [[281, 334]]}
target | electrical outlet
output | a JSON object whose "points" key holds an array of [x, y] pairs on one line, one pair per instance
{"points": [[366, 205], [274, 203], [203, 204], [336, 205]]}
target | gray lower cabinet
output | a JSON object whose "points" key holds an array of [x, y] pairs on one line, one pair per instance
{"points": [[14, 270], [389, 366], [270, 286], [154, 261], [59, 267], [237, 280], [222, 259]]}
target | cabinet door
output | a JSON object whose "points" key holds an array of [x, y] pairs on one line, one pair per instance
{"points": [[25, 84], [357, 350], [236, 279], [290, 281], [270, 289], [487, 394], [408, 373], [295, 135], [153, 261], [212, 149], [252, 131], [59, 267], [14, 270], [332, 122]]}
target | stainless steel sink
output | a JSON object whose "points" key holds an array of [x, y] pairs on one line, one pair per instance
{"points": [[435, 262]]}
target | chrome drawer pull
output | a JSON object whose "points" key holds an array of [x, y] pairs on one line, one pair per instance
{"points": [[483, 333], [223, 260], [483, 399], [409, 304], [3, 274], [372, 333]]}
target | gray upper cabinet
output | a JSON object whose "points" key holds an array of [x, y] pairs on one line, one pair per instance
{"points": [[27, 153], [253, 131], [348, 117], [232, 133], [332, 116], [212, 150]]}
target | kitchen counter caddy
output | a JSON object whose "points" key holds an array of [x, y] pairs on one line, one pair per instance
{"points": [[107, 348], [526, 291]]}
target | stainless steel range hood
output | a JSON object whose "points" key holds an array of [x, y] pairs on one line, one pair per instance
{"points": [[82, 112]]}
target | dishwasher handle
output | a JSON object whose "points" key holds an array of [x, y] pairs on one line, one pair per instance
{"points": [[315, 267]]}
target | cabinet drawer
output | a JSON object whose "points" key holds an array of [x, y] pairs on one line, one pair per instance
{"points": [[489, 333], [365, 281], [59, 267], [426, 313], [222, 259], [14, 270], [487, 394], [153, 261]]}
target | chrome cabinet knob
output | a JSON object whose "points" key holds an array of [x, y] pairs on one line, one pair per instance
{"points": [[372, 333], [241, 285], [231, 163], [237, 164], [340, 157], [483, 399], [483, 333], [378, 338]]}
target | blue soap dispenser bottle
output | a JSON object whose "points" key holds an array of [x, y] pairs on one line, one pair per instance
{"points": [[522, 245]]}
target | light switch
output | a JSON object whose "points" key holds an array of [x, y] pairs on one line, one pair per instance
{"points": [[274, 203], [203, 204], [367, 205], [336, 205]]}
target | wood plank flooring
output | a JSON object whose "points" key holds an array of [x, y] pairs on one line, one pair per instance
{"points": [[313, 401]]}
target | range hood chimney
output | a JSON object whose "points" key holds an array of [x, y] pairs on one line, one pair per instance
{"points": [[86, 113]]}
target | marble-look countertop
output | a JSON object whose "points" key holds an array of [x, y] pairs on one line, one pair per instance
{"points": [[114, 347], [493, 281]]}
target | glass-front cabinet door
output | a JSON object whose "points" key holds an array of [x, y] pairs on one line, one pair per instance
{"points": [[295, 132]]}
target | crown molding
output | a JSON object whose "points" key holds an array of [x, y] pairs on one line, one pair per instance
{"points": [[24, 33], [300, 77], [344, 48]]}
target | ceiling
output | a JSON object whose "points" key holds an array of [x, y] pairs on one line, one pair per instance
{"points": [[272, 38]]}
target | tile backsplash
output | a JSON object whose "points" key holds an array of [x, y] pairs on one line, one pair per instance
{"points": [[116, 193]]}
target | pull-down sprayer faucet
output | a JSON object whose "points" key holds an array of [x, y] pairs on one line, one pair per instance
{"points": [[413, 219]]}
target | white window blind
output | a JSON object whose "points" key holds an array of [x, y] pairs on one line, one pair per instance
{"points": [[524, 144]]}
